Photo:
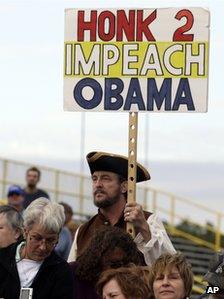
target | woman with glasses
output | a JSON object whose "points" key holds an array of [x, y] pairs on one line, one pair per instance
{"points": [[171, 277], [109, 248], [33, 263]]}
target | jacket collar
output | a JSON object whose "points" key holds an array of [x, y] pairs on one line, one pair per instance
{"points": [[119, 223]]}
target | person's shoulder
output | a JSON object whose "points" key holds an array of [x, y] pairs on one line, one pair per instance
{"points": [[90, 220], [60, 267], [55, 259], [147, 214], [65, 233], [8, 251], [42, 193]]}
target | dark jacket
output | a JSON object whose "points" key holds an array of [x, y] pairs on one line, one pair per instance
{"points": [[52, 281], [83, 289], [89, 228]]}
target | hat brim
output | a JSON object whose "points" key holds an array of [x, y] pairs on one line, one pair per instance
{"points": [[101, 161]]}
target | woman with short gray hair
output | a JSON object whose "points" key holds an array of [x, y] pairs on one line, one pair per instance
{"points": [[50, 215], [33, 263], [11, 226]]}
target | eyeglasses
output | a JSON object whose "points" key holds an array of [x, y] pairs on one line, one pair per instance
{"points": [[38, 240]]}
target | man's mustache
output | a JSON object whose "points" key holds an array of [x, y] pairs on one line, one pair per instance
{"points": [[99, 191]]}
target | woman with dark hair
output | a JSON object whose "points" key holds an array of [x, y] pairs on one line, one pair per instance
{"points": [[125, 283], [111, 247]]}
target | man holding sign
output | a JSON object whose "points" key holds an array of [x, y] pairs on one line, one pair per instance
{"points": [[109, 182], [132, 60]]}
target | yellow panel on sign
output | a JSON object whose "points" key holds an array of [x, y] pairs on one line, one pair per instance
{"points": [[122, 59]]}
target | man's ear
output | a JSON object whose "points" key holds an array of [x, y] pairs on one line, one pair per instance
{"points": [[124, 186]]}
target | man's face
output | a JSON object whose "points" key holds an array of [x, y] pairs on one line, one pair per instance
{"points": [[7, 234], [15, 199], [32, 178], [107, 189]]}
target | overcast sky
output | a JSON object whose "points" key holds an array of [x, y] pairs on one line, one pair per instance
{"points": [[35, 128]]}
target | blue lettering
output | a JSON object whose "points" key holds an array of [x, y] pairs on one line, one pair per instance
{"points": [[97, 96], [134, 95], [113, 93], [164, 94], [183, 96]]}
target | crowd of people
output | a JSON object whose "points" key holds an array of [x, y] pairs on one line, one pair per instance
{"points": [[38, 235]]}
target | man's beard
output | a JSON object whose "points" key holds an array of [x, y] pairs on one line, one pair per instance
{"points": [[31, 185], [107, 202]]}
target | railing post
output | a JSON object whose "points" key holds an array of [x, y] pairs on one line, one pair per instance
{"points": [[154, 197], [56, 185], [172, 212], [81, 194], [145, 204], [218, 233], [4, 177]]}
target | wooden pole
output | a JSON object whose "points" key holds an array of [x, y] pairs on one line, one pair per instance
{"points": [[132, 158]]}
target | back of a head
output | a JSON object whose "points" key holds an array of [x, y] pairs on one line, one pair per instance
{"points": [[12, 226], [108, 238], [14, 218], [110, 247], [67, 208], [50, 215], [68, 211]]}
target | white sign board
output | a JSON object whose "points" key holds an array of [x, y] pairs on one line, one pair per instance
{"points": [[136, 60]]}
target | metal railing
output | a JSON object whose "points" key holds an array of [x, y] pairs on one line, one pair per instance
{"points": [[179, 209], [75, 189]]}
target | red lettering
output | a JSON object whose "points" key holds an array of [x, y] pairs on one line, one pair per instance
{"points": [[142, 26], [179, 34], [85, 25], [111, 25], [107, 24], [126, 25]]}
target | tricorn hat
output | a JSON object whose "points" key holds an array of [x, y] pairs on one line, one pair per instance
{"points": [[101, 161]]}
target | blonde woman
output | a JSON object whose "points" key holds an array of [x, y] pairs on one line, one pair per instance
{"points": [[171, 277]]}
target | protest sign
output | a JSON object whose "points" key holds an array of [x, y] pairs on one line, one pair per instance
{"points": [[136, 60]]}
